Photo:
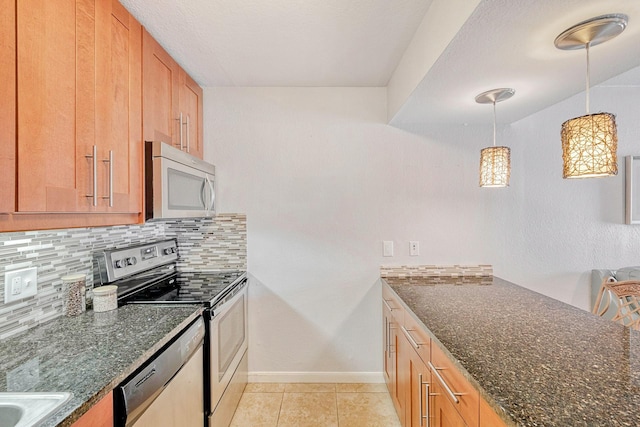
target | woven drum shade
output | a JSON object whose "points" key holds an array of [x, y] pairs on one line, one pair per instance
{"points": [[495, 166], [589, 146]]}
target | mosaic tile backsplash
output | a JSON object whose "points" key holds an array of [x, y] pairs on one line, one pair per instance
{"points": [[203, 244], [440, 274]]}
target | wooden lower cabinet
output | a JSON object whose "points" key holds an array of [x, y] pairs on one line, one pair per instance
{"points": [[443, 411], [488, 417], [415, 380], [100, 415], [426, 387], [391, 372]]}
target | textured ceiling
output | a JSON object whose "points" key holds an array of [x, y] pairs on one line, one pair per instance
{"points": [[505, 43], [283, 42], [509, 43]]}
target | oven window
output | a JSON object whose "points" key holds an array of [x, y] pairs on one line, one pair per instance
{"points": [[185, 190], [230, 335]]}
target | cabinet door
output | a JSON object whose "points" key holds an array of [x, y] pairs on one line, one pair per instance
{"points": [[100, 415], [191, 108], [488, 417], [56, 67], [118, 123], [467, 397], [160, 92], [388, 354], [443, 413], [417, 386], [8, 105]]}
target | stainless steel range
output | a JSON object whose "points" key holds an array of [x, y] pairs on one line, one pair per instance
{"points": [[147, 274]]}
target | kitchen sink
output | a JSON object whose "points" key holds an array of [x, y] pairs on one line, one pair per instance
{"points": [[28, 409]]}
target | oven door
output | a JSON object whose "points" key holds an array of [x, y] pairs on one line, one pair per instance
{"points": [[228, 341]]}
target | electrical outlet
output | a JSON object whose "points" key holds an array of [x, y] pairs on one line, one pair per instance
{"points": [[19, 284], [387, 248], [414, 248]]}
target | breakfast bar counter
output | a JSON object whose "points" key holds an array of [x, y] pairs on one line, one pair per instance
{"points": [[537, 361]]}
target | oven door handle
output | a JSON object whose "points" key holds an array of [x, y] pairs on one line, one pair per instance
{"points": [[223, 305]]}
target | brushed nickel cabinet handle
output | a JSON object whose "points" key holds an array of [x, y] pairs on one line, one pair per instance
{"points": [[410, 338], [386, 303], [454, 396], [180, 124], [110, 161], [188, 139], [420, 397], [94, 157]]}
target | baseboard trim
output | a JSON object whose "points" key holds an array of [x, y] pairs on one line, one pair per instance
{"points": [[316, 377]]}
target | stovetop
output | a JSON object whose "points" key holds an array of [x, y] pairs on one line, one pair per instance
{"points": [[183, 287], [147, 273]]}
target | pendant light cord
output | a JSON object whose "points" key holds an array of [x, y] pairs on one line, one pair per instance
{"points": [[494, 123], [588, 76]]}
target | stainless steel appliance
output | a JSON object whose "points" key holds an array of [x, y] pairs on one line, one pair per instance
{"points": [[168, 390], [177, 184], [147, 274]]}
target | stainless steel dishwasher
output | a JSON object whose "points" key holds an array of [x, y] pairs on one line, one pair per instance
{"points": [[168, 390]]}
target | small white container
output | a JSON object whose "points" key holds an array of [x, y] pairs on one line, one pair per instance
{"points": [[105, 298]]}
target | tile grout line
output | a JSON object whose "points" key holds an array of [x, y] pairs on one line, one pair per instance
{"points": [[280, 409]]}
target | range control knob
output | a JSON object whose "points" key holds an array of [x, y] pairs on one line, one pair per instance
{"points": [[119, 263], [132, 260], [169, 251]]}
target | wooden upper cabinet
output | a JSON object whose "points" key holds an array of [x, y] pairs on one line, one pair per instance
{"points": [[171, 100], [7, 105], [159, 93], [118, 124], [79, 105], [55, 47], [191, 108]]}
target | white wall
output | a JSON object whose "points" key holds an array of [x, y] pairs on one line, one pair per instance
{"points": [[554, 230], [323, 181]]}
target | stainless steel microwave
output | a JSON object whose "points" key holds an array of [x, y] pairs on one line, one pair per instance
{"points": [[177, 184]]}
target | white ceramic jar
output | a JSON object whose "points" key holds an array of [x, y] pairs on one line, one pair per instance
{"points": [[105, 298]]}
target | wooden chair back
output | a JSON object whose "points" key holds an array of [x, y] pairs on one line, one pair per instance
{"points": [[626, 295]]}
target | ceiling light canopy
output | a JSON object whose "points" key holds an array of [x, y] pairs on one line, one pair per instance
{"points": [[495, 161], [590, 142]]}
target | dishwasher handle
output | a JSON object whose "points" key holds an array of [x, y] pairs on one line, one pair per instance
{"points": [[139, 391]]}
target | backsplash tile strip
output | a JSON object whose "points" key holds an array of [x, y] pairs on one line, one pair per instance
{"points": [[440, 274], [211, 244]]}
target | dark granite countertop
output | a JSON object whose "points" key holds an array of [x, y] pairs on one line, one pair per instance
{"points": [[88, 355], [543, 362]]}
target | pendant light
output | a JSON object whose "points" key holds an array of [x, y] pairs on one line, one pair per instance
{"points": [[590, 142], [495, 161]]}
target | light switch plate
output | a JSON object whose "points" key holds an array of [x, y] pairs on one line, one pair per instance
{"points": [[387, 248], [19, 284]]}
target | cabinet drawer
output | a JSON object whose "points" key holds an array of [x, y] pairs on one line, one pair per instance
{"points": [[417, 337], [468, 399], [390, 301]]}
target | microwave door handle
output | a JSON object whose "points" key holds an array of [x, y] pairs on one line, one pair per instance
{"points": [[213, 195], [202, 193]]}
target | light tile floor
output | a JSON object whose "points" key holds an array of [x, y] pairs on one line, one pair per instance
{"points": [[315, 405]]}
